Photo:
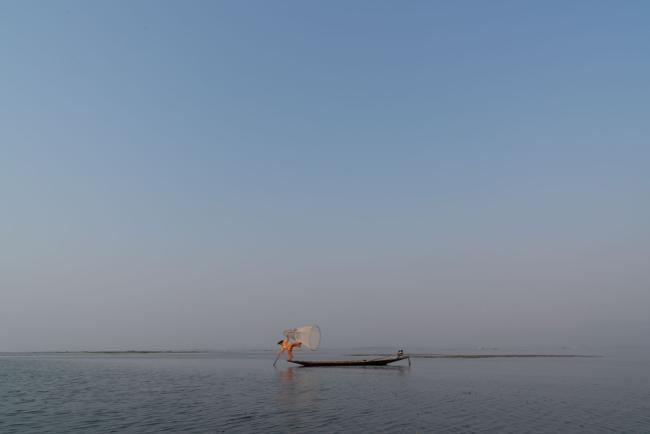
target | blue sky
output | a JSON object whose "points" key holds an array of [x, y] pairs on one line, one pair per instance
{"points": [[170, 169]]}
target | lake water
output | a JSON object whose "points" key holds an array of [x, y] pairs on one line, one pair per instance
{"points": [[243, 393]]}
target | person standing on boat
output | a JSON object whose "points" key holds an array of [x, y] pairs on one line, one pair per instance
{"points": [[288, 346]]}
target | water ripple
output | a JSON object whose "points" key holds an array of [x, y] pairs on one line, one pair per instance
{"points": [[201, 394]]}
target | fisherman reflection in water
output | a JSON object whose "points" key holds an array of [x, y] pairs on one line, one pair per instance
{"points": [[287, 345]]}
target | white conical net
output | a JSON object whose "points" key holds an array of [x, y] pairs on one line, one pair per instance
{"points": [[308, 336]]}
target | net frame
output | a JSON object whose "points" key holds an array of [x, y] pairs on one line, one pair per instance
{"points": [[309, 335]]}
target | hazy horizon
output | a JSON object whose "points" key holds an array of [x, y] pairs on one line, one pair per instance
{"points": [[205, 175]]}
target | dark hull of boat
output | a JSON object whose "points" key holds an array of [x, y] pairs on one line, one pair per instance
{"points": [[373, 362]]}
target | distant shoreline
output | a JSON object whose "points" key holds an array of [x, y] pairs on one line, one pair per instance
{"points": [[479, 356], [110, 352], [136, 352], [412, 355]]}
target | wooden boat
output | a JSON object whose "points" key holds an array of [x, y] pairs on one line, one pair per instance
{"points": [[381, 361]]}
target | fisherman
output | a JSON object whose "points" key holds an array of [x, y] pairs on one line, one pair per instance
{"points": [[287, 345]]}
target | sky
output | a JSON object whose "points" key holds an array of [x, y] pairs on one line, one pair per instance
{"points": [[203, 175]]}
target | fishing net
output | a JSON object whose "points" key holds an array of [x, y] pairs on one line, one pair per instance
{"points": [[308, 336]]}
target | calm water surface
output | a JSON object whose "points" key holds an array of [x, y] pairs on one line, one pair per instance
{"points": [[242, 392]]}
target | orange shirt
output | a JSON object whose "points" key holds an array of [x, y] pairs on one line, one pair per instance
{"points": [[286, 345]]}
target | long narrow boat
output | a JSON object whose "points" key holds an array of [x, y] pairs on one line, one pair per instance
{"points": [[381, 361]]}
